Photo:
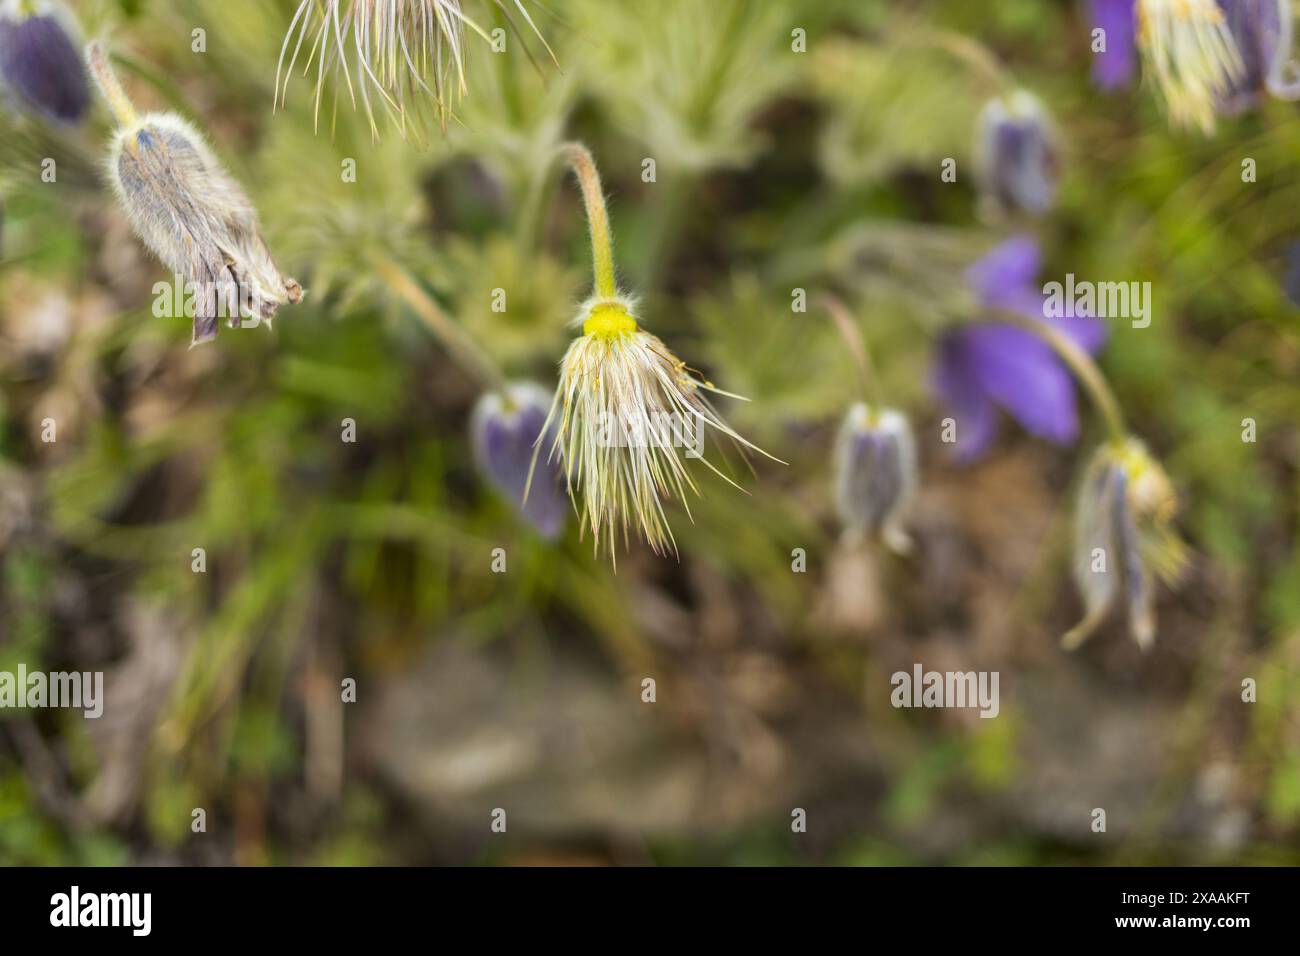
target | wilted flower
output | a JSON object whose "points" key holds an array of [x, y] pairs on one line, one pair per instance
{"points": [[630, 410], [875, 473], [1123, 538], [39, 60], [993, 365], [398, 49], [504, 429], [626, 403], [1016, 155], [193, 216]]}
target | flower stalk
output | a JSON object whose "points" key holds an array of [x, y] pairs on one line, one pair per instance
{"points": [[462, 348], [868, 381], [580, 160], [118, 102]]}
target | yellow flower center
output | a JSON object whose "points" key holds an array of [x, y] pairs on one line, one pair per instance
{"points": [[609, 320]]}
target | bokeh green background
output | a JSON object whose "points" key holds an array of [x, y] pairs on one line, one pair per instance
{"points": [[775, 170]]}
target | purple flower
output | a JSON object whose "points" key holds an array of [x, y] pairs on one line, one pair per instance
{"points": [[504, 429], [875, 474], [1114, 68], [993, 365], [40, 63]]}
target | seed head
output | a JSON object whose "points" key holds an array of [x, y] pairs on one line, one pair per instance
{"points": [[402, 52], [629, 412]]}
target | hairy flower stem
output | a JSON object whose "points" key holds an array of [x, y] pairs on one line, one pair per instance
{"points": [[1083, 367], [114, 95], [462, 348], [852, 335], [583, 165]]}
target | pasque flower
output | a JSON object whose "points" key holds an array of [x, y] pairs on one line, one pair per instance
{"points": [[505, 427], [1017, 157], [1124, 536], [628, 409], [994, 365], [1207, 58], [392, 54], [1124, 539], [40, 62], [875, 473], [194, 217], [874, 464]]}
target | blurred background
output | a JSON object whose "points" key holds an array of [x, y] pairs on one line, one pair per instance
{"points": [[775, 169]]}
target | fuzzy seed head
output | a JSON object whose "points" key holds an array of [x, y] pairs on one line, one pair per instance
{"points": [[386, 56], [629, 413], [1191, 55]]}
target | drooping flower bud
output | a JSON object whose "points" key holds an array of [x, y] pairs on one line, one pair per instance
{"points": [[1017, 157], [504, 430], [1124, 539], [194, 217], [875, 474], [40, 62]]}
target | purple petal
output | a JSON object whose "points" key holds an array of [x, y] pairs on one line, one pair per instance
{"points": [[1023, 375], [503, 447], [1006, 277], [1114, 68], [970, 406]]}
